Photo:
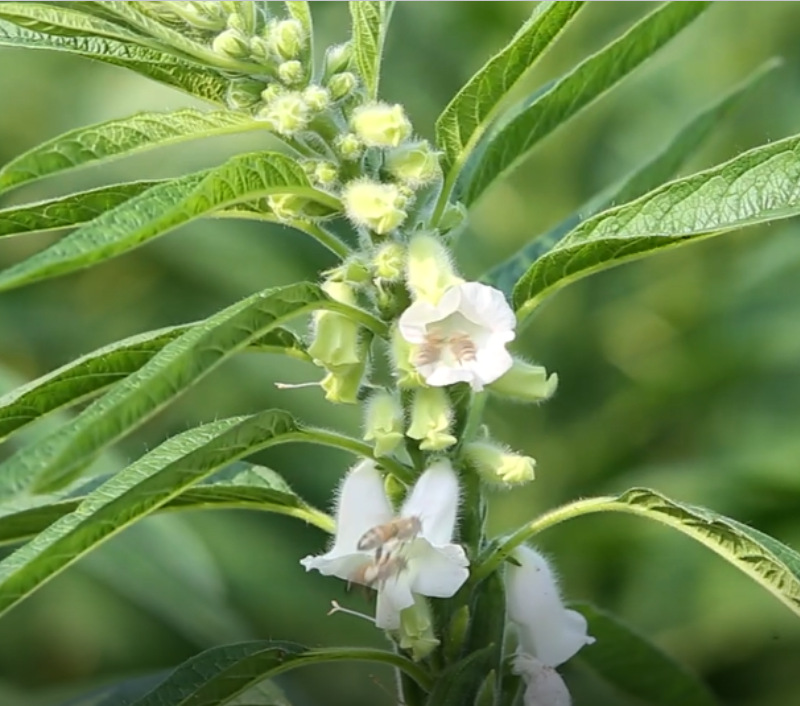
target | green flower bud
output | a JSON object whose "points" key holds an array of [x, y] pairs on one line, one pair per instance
{"points": [[336, 344], [325, 174], [202, 15], [380, 124], [395, 489], [260, 49], [288, 38], [457, 633], [405, 371], [525, 383], [291, 72], [373, 205], [429, 270], [243, 93], [272, 91], [414, 163], [286, 114], [486, 692], [416, 629], [349, 147], [342, 85], [383, 423], [455, 214], [243, 16], [232, 44], [353, 270], [337, 58], [389, 262], [431, 419], [317, 98], [498, 465]]}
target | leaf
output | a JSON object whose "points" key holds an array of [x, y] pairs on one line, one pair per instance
{"points": [[197, 80], [758, 186], [147, 485], [58, 457], [510, 144], [369, 31], [645, 177], [69, 210], [164, 207], [59, 20], [117, 138], [467, 116], [635, 667], [92, 373]]}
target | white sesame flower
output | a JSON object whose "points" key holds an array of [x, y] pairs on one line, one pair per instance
{"points": [[462, 337], [398, 555], [549, 633]]}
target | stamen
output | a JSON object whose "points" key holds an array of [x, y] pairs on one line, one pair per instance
{"points": [[336, 608], [295, 386]]}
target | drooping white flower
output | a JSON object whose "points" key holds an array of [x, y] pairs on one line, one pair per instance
{"points": [[549, 633], [462, 337], [411, 552]]}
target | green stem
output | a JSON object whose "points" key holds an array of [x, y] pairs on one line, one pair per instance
{"points": [[326, 238]]}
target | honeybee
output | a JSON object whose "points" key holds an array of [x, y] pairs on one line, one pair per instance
{"points": [[379, 571], [400, 529]]}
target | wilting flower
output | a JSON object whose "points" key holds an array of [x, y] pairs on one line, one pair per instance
{"points": [[549, 633], [411, 552], [462, 337]]}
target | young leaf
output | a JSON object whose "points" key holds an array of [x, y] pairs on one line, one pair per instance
{"points": [[510, 144], [70, 210], [758, 186], [635, 667], [58, 457], [369, 20], [118, 138], [82, 379], [645, 177], [164, 207], [466, 118], [63, 21], [155, 64]]}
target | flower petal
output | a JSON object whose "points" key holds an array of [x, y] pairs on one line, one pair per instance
{"points": [[434, 500], [544, 685], [413, 322], [492, 362], [393, 596], [439, 375], [343, 566], [438, 571], [487, 307]]}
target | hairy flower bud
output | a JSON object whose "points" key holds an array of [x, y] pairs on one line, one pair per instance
{"points": [[348, 147], [342, 85], [288, 38], [317, 98], [498, 465], [291, 72], [380, 124], [429, 269], [414, 163], [232, 44], [431, 419], [202, 15], [337, 58], [389, 262], [324, 174], [383, 423], [373, 205], [405, 371], [286, 113], [525, 383], [416, 629], [243, 93]]}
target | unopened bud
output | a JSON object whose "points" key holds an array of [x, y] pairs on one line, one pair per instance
{"points": [[381, 124], [288, 38], [337, 58], [414, 163], [342, 85], [286, 114], [202, 15], [232, 44], [373, 205], [389, 262], [525, 383], [242, 16], [243, 93], [349, 147], [383, 423], [395, 489], [431, 419], [455, 214], [405, 371], [272, 91], [260, 49], [429, 269], [325, 174], [498, 465], [291, 72], [317, 98], [416, 629]]}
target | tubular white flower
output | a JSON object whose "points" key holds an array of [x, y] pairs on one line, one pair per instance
{"points": [[424, 562], [543, 685], [462, 337]]}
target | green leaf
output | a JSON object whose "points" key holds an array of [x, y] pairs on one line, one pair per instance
{"points": [[92, 373], [635, 667], [217, 676], [240, 485], [164, 207], [645, 177], [369, 21], [117, 138], [70, 210], [60, 20], [58, 457], [197, 80], [758, 186], [466, 118], [151, 482], [510, 144]]}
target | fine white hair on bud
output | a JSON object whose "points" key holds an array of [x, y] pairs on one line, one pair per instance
{"points": [[288, 38], [414, 163], [287, 113], [372, 205], [380, 124], [232, 44], [291, 72]]}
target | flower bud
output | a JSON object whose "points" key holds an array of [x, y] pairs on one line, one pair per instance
{"points": [[395, 489], [454, 216], [431, 418], [287, 38], [486, 692], [414, 163], [243, 93], [232, 44], [498, 465], [202, 15], [260, 50], [525, 383], [456, 633], [416, 629], [405, 371], [291, 72], [325, 174], [389, 262], [373, 205], [342, 85], [336, 337], [429, 270], [317, 98], [286, 113], [337, 58], [383, 423], [242, 16], [349, 147], [380, 124], [353, 270]]}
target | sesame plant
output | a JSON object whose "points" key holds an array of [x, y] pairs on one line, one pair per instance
{"points": [[469, 618]]}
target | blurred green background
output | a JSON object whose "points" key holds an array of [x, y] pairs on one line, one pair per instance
{"points": [[681, 372]]}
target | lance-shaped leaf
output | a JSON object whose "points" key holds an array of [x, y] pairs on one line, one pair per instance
{"points": [[758, 186], [512, 141], [87, 376], [468, 115], [147, 485], [58, 457], [651, 174], [635, 667], [167, 206], [62, 20], [369, 24], [195, 79], [118, 138], [219, 675]]}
